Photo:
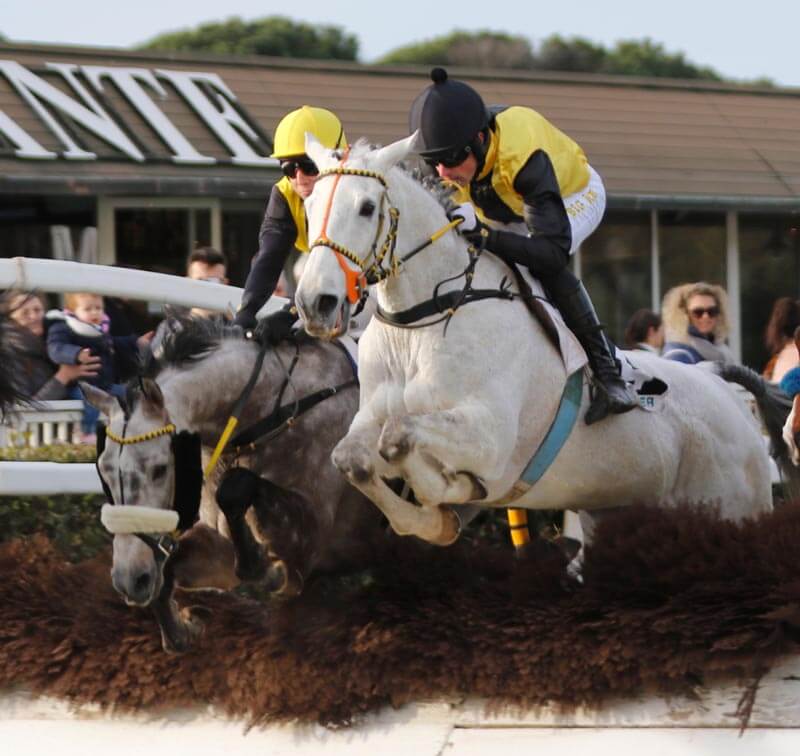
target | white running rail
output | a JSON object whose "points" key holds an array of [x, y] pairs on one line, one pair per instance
{"points": [[34, 426]]}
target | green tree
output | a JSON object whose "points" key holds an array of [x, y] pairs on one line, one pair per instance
{"points": [[648, 58], [275, 35], [484, 49], [576, 54], [488, 49]]}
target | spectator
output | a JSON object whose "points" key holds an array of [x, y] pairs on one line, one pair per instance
{"points": [[779, 338], [41, 378], [790, 381], [696, 323], [80, 333], [206, 264], [645, 331]]}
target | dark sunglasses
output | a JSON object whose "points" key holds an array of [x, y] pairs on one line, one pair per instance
{"points": [[450, 159], [290, 167], [698, 312]]}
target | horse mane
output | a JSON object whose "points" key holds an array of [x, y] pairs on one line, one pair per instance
{"points": [[186, 339]]}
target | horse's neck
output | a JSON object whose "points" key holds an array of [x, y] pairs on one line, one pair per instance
{"points": [[198, 399], [420, 217]]}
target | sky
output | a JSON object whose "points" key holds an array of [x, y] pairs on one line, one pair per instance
{"points": [[741, 41]]}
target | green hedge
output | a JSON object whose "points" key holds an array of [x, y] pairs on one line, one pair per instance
{"points": [[71, 522], [51, 453]]}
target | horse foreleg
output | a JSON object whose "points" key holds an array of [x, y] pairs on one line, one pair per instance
{"points": [[179, 627], [355, 456], [445, 456]]}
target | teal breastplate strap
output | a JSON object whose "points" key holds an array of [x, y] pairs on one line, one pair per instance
{"points": [[559, 430]]}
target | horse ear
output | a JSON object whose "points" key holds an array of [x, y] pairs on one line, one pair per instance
{"points": [[316, 151], [98, 398], [152, 393], [392, 154]]}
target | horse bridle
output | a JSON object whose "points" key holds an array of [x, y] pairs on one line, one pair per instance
{"points": [[357, 282], [186, 452], [369, 273]]}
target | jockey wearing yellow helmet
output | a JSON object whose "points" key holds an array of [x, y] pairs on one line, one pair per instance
{"points": [[536, 186], [284, 224]]}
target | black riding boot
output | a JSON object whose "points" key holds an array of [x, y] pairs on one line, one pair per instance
{"points": [[611, 394]]}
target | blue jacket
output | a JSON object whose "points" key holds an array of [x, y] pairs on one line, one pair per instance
{"points": [[67, 335]]}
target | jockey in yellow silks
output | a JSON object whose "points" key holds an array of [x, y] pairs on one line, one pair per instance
{"points": [[543, 198], [284, 225]]}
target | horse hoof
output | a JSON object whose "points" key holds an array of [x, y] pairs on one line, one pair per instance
{"points": [[451, 528], [188, 628]]}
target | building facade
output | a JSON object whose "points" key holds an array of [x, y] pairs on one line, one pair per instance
{"points": [[133, 158]]}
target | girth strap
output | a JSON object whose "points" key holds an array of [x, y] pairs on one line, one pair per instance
{"points": [[286, 414], [440, 305]]}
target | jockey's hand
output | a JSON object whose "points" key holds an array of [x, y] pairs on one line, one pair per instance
{"points": [[276, 327], [246, 320], [471, 228]]}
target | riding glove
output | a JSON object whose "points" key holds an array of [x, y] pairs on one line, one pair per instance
{"points": [[276, 326], [471, 228]]}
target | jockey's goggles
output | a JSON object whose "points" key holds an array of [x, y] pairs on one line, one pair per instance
{"points": [[304, 164], [449, 158]]}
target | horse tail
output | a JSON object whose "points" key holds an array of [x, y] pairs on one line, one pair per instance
{"points": [[774, 405]]}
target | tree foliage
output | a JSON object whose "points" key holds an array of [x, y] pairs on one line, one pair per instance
{"points": [[486, 49], [275, 35], [483, 49]]}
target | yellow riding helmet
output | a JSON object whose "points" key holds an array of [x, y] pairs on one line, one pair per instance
{"points": [[290, 136]]}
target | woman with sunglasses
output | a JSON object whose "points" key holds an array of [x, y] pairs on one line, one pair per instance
{"points": [[284, 226], [696, 323], [536, 187]]}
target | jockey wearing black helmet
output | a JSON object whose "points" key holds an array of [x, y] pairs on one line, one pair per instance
{"points": [[535, 185]]}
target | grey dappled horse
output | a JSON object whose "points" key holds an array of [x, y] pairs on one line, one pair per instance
{"points": [[290, 513]]}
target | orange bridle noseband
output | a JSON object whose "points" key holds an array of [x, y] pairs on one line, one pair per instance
{"points": [[357, 281]]}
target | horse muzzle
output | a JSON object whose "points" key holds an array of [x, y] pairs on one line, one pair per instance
{"points": [[135, 574], [326, 317]]}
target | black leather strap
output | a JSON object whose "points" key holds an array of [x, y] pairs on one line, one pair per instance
{"points": [[440, 305], [286, 414]]}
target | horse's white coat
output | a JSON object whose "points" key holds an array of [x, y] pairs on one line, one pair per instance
{"points": [[451, 414]]}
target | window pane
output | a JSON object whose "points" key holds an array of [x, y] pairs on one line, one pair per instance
{"points": [[240, 241], [692, 248], [153, 239], [615, 268], [202, 228], [769, 261]]}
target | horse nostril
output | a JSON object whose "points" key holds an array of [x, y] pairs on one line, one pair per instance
{"points": [[326, 304], [142, 584]]}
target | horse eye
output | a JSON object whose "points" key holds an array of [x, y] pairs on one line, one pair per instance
{"points": [[159, 471], [367, 209]]}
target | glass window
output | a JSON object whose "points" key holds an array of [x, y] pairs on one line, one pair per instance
{"points": [[616, 269], [691, 247], [769, 261], [153, 239], [240, 241]]}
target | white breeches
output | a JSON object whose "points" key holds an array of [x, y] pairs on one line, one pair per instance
{"points": [[585, 209]]}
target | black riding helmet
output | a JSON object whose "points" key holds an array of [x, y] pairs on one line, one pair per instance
{"points": [[449, 115]]}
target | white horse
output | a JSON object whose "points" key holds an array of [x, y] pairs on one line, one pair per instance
{"points": [[457, 408]]}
